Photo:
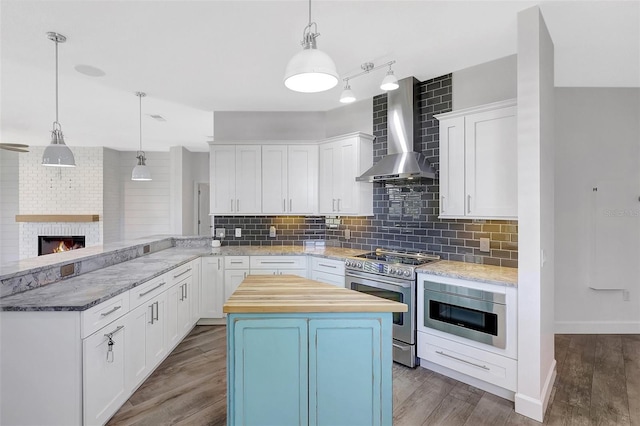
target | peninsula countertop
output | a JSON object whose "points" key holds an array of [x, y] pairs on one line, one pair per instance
{"points": [[293, 294]]}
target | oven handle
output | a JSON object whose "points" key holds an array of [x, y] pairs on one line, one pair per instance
{"points": [[377, 279]]}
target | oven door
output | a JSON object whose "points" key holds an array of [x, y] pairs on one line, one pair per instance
{"points": [[474, 319], [403, 291]]}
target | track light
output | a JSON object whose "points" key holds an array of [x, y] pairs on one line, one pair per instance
{"points": [[390, 82], [347, 95]]}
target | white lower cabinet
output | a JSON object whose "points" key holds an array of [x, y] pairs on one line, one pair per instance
{"points": [[211, 287], [232, 279], [104, 380], [328, 271], [178, 312]]}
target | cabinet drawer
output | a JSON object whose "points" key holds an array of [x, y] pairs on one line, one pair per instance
{"points": [[236, 262], [278, 262], [486, 366], [181, 272], [323, 277], [100, 315], [149, 290], [329, 266]]}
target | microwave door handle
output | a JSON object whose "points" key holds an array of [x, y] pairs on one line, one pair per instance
{"points": [[387, 285]]}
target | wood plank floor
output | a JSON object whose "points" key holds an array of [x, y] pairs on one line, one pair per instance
{"points": [[598, 383]]}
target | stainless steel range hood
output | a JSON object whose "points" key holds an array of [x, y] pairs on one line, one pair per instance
{"points": [[401, 161]]}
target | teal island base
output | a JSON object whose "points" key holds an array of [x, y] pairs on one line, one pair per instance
{"points": [[327, 369]]}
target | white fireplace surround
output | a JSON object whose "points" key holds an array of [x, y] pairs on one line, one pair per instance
{"points": [[30, 231]]}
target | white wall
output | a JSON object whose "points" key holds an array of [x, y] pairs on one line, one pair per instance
{"points": [[598, 140], [355, 117], [485, 83], [111, 195], [536, 364], [266, 125], [146, 205], [9, 230]]}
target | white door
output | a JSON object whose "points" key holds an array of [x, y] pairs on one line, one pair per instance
{"points": [[104, 380], [248, 197], [275, 199], [452, 157], [211, 288], [222, 171], [327, 180], [302, 179], [491, 157]]}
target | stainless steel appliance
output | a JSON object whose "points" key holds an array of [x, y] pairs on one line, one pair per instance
{"points": [[391, 274], [471, 313]]}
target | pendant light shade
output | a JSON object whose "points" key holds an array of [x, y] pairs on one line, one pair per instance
{"points": [[57, 153], [390, 82], [347, 95], [311, 70], [141, 171]]}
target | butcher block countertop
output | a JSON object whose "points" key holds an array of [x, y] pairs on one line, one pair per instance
{"points": [[293, 294]]}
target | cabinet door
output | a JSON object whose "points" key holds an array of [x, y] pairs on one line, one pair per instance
{"points": [[103, 380], [275, 199], [195, 291], [222, 165], [302, 179], [270, 380], [211, 288], [156, 331], [248, 175], [345, 373], [171, 328], [327, 179], [452, 158], [137, 364], [346, 170], [232, 279], [491, 164]]}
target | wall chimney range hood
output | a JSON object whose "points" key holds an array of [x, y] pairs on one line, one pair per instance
{"points": [[401, 161]]}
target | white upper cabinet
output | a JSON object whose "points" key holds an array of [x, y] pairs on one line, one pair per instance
{"points": [[478, 162], [289, 179], [342, 159], [236, 179]]}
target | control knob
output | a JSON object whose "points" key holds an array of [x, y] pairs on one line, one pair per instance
{"points": [[360, 265], [347, 263], [407, 273]]}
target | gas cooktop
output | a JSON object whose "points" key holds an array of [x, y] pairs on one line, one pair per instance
{"points": [[403, 257], [395, 263]]}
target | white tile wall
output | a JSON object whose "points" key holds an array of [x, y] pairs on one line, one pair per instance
{"points": [[52, 190], [9, 230]]}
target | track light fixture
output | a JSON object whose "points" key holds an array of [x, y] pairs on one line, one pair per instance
{"points": [[390, 82]]}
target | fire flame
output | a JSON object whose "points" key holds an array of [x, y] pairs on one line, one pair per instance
{"points": [[61, 247]]}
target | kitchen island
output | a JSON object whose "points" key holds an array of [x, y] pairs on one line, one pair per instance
{"points": [[303, 352]]}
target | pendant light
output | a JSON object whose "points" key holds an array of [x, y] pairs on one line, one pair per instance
{"points": [[57, 154], [390, 82], [141, 171], [347, 95], [311, 70]]}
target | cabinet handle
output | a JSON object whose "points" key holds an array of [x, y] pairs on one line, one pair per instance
{"points": [[276, 261], [338, 204], [235, 262], [232, 204], [186, 291], [484, 367], [181, 273], [442, 204], [290, 205], [333, 205], [284, 205], [104, 314], [468, 203], [182, 292], [327, 266], [218, 264], [157, 310], [151, 306], [153, 289]]}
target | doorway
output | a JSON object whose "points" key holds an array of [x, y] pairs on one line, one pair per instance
{"points": [[203, 220]]}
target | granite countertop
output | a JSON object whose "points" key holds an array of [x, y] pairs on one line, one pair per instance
{"points": [[293, 294], [490, 274], [84, 291]]}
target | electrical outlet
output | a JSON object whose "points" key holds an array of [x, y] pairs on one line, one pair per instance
{"points": [[238, 232], [220, 232], [347, 234], [484, 245], [272, 231]]}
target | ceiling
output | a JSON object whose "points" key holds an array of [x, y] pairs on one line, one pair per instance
{"points": [[195, 57]]}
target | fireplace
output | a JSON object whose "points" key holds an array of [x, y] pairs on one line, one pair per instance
{"points": [[55, 244]]}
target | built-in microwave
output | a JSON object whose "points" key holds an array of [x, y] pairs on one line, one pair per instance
{"points": [[471, 313]]}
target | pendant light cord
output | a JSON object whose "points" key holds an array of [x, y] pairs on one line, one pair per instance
{"points": [[309, 12], [56, 41], [140, 96]]}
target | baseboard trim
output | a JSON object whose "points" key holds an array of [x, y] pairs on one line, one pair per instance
{"points": [[212, 321], [480, 384], [597, 327], [535, 407]]}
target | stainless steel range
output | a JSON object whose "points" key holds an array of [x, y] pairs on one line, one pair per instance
{"points": [[391, 274]]}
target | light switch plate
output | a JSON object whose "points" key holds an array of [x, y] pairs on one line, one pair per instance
{"points": [[484, 245], [347, 234], [238, 232]]}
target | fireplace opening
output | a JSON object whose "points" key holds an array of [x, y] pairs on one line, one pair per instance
{"points": [[56, 244]]}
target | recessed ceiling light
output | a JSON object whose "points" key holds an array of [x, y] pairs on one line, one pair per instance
{"points": [[89, 70]]}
